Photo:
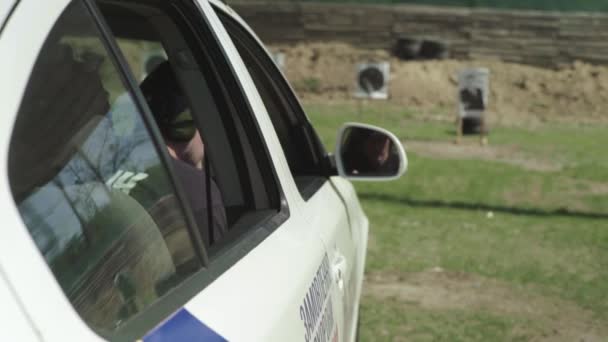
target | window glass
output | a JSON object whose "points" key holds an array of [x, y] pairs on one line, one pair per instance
{"points": [[143, 56], [89, 182], [299, 142], [176, 63]]}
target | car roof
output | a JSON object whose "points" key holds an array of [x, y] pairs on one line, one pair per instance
{"points": [[6, 6]]}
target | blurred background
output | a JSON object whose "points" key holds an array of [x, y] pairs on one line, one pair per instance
{"points": [[503, 241]]}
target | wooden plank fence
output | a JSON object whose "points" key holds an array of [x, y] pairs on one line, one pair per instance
{"points": [[531, 37]]}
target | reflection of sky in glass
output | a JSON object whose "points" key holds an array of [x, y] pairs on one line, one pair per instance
{"points": [[53, 212], [47, 209], [130, 130]]}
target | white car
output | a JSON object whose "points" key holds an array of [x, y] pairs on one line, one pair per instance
{"points": [[103, 240]]}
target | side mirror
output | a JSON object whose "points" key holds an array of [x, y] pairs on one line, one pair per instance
{"points": [[365, 152]]}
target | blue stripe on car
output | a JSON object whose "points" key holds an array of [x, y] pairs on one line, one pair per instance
{"points": [[183, 327]]}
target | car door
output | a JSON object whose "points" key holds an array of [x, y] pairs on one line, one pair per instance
{"points": [[89, 253], [20, 328], [320, 199]]}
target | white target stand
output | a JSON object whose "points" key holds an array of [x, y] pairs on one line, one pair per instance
{"points": [[372, 80], [473, 89]]}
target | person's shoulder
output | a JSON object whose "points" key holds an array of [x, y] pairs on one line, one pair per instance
{"points": [[187, 172], [183, 166]]}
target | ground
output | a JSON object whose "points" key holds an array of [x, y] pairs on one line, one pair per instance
{"points": [[505, 242], [523, 314]]}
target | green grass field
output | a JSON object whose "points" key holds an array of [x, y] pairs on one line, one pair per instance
{"points": [[507, 242]]}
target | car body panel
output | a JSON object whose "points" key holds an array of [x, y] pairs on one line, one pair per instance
{"points": [[20, 327], [359, 224], [6, 6]]}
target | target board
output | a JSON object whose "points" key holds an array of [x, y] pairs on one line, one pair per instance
{"points": [[473, 87], [372, 80]]}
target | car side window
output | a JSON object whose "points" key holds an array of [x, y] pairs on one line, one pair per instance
{"points": [[157, 33], [90, 184], [303, 150]]}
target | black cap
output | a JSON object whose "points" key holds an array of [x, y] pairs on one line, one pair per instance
{"points": [[168, 103]]}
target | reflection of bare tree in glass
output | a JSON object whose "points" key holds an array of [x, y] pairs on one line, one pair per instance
{"points": [[83, 192], [121, 153], [116, 151], [72, 204], [108, 146]]}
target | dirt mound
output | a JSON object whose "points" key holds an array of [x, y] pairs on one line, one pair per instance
{"points": [[518, 93]]}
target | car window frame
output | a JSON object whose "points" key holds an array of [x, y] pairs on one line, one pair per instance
{"points": [[144, 111], [287, 97], [231, 84], [234, 88]]}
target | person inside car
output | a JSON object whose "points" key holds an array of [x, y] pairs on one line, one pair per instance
{"points": [[187, 150]]}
